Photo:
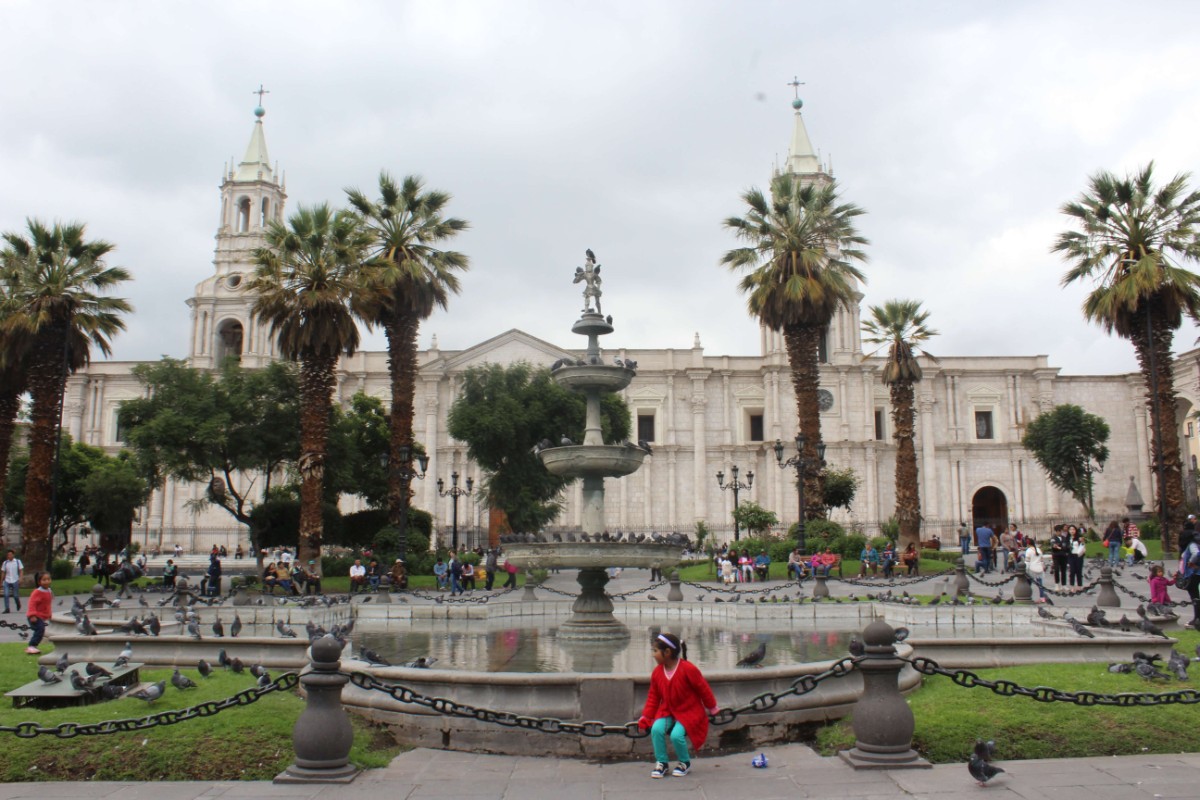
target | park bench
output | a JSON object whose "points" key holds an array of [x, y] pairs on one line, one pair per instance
{"points": [[57, 695], [837, 564]]}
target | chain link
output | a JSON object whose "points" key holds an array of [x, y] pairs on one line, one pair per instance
{"points": [[977, 579], [591, 728], [1045, 694], [1145, 599], [893, 581], [69, 730], [16, 626], [440, 598]]}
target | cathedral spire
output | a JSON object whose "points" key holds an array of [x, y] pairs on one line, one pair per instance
{"points": [[256, 164], [802, 159]]}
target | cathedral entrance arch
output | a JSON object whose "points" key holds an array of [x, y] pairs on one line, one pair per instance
{"points": [[229, 340], [991, 506]]}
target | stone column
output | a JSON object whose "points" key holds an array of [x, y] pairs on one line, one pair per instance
{"points": [[322, 735], [929, 499]]}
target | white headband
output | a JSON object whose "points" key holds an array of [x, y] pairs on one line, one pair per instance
{"points": [[667, 642]]}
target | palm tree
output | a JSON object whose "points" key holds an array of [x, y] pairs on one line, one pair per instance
{"points": [[899, 325], [1131, 241], [802, 245], [308, 279], [411, 277], [12, 385], [54, 280]]}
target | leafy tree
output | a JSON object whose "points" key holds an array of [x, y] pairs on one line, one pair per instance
{"points": [[1131, 239], [1069, 444], [56, 310], [754, 518], [411, 278], [276, 522], [308, 281], [93, 488], [358, 446], [899, 326], [840, 487], [800, 253], [502, 413], [233, 429]]}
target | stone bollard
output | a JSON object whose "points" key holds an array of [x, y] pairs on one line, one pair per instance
{"points": [[1107, 597], [1022, 589], [98, 600], [883, 722], [322, 736], [820, 589], [961, 585], [675, 594], [529, 596]]}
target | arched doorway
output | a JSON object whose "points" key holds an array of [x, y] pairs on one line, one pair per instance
{"points": [[991, 506], [229, 340]]}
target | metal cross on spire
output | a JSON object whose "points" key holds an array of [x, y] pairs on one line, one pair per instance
{"points": [[796, 83], [260, 92]]}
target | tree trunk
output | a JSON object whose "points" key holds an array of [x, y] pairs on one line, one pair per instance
{"points": [[317, 380], [1170, 488], [908, 494], [46, 390], [10, 404], [401, 333], [803, 342]]}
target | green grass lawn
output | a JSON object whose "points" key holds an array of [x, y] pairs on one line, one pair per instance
{"points": [[949, 718], [704, 570], [243, 743]]}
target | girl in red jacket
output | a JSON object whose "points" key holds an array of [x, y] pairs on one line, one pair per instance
{"points": [[38, 612], [677, 706]]}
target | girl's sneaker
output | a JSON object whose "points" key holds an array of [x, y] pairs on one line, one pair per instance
{"points": [[33, 651], [660, 770], [681, 769]]}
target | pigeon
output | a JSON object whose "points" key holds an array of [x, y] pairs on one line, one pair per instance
{"points": [[985, 750], [205, 668], [153, 625], [1120, 669], [1149, 627], [93, 669], [111, 691], [236, 627], [223, 658], [902, 633], [981, 770], [258, 670], [63, 662], [936, 599], [1079, 628], [218, 627], [1125, 624], [1148, 671], [285, 631], [236, 665], [151, 692], [1044, 614], [371, 657], [181, 681], [1098, 619], [754, 658], [121, 661], [79, 684], [264, 680], [48, 675], [85, 626], [424, 662], [565, 441], [127, 652], [857, 648], [1178, 664], [642, 443]]}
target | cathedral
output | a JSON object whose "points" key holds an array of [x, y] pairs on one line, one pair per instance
{"points": [[703, 413]]}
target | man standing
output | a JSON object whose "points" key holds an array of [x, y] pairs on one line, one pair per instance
{"points": [[12, 569], [1008, 544], [490, 563], [984, 537], [964, 539], [1060, 548]]}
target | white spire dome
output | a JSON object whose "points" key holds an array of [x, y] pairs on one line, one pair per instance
{"points": [[802, 159], [256, 164]]}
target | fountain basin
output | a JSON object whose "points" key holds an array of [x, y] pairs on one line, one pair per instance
{"points": [[584, 555], [604, 377], [599, 461]]}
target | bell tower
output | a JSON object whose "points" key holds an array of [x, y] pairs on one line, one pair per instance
{"points": [[842, 342], [252, 197]]}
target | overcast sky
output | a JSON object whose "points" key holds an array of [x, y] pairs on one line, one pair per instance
{"points": [[627, 127]]}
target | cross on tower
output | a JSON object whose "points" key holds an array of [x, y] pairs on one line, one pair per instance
{"points": [[796, 83], [260, 92]]}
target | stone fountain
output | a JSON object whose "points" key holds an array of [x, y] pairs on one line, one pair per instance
{"points": [[593, 461]]}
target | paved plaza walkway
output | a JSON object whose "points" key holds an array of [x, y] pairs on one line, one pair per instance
{"points": [[794, 771]]}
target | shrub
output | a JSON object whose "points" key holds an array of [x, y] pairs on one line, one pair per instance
{"points": [[360, 528], [335, 566], [822, 533], [61, 569], [277, 523], [417, 558], [949, 556], [852, 545]]}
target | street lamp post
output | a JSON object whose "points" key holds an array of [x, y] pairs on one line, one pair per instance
{"points": [[801, 463], [455, 493], [402, 469], [737, 486]]}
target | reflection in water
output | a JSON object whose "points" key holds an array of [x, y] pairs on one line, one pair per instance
{"points": [[478, 645]]}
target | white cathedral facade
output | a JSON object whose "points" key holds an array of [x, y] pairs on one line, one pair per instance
{"points": [[702, 412]]}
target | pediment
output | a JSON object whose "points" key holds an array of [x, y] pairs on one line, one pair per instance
{"points": [[509, 347], [751, 392], [984, 394]]}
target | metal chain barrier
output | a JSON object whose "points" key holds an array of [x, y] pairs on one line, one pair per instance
{"points": [[1069, 593], [441, 598], [69, 730], [16, 626], [1046, 694], [592, 728], [893, 581], [1145, 599], [560, 592], [993, 584], [718, 590], [631, 592]]}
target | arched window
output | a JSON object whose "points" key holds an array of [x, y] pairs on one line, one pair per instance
{"points": [[265, 217], [229, 340], [243, 220]]}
